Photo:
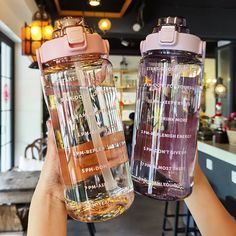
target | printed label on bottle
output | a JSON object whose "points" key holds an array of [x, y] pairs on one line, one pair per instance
{"points": [[156, 183], [81, 162], [165, 132]]}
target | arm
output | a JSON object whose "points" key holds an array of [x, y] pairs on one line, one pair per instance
{"points": [[208, 212], [48, 214]]}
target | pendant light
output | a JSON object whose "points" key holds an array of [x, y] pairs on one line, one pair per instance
{"points": [[104, 24], [94, 3], [33, 35], [220, 88]]}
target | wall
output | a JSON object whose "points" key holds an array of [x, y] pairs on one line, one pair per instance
{"points": [[14, 13], [28, 103], [210, 73], [28, 96]]}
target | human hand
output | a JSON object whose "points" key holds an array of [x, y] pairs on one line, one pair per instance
{"points": [[48, 215], [50, 181]]}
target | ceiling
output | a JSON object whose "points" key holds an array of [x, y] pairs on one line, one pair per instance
{"points": [[114, 9], [211, 20]]}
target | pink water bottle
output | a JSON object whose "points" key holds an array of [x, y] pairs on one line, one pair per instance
{"points": [[167, 111]]}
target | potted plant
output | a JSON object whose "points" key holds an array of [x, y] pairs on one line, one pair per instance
{"points": [[231, 128]]}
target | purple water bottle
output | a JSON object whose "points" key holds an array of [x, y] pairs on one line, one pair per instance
{"points": [[167, 111]]}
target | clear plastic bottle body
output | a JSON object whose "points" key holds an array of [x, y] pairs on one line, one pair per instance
{"points": [[81, 99], [166, 123]]}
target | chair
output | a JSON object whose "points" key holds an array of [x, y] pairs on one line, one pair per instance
{"points": [[38, 149], [92, 229], [189, 226]]}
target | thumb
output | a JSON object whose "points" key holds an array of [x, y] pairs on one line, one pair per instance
{"points": [[51, 144]]}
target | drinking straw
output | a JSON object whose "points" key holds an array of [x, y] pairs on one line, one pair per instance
{"points": [[109, 182]]}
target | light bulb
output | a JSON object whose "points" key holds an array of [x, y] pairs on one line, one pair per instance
{"points": [[36, 33], [220, 90], [208, 80], [47, 32], [214, 81], [124, 43], [94, 3], [104, 24], [136, 27]]}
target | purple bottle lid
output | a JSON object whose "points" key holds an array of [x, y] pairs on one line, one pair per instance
{"points": [[172, 33]]}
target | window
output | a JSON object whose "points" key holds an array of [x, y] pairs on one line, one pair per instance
{"points": [[6, 102]]}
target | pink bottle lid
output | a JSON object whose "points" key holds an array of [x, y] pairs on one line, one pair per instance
{"points": [[75, 42], [170, 37]]}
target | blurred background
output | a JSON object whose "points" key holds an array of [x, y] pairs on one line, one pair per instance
{"points": [[124, 23]]}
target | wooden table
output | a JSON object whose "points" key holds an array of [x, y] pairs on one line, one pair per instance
{"points": [[17, 187]]}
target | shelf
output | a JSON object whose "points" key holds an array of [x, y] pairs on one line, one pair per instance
{"points": [[124, 87], [127, 121], [129, 104], [125, 71]]}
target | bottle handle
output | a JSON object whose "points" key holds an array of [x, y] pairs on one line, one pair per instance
{"points": [[76, 38]]}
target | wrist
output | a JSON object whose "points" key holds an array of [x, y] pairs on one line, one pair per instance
{"points": [[49, 201], [50, 192], [44, 208]]}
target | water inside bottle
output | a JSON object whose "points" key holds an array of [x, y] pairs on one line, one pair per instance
{"points": [[103, 205], [91, 144], [166, 128]]}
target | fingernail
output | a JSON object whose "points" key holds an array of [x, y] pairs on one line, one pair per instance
{"points": [[48, 123]]}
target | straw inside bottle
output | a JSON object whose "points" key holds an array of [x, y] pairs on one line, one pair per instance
{"points": [[110, 183]]}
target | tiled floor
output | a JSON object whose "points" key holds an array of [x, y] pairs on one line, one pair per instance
{"points": [[144, 218]]}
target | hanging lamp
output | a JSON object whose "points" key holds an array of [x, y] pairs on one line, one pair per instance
{"points": [[104, 24], [35, 34], [94, 3]]}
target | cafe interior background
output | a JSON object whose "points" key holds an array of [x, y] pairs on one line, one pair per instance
{"points": [[124, 23]]}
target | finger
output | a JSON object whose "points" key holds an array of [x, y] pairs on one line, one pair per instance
{"points": [[51, 144]]}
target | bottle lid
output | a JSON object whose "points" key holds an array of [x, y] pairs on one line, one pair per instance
{"points": [[72, 37], [172, 33]]}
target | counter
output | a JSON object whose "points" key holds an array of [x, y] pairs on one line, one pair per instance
{"points": [[218, 162], [223, 152]]}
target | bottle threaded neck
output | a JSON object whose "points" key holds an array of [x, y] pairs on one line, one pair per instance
{"points": [[63, 23], [179, 23]]}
